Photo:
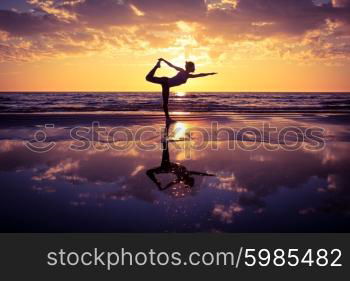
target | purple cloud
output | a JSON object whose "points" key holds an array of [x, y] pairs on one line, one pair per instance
{"points": [[28, 23], [71, 26]]}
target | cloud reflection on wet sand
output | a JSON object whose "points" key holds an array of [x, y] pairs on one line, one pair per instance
{"points": [[255, 191]]}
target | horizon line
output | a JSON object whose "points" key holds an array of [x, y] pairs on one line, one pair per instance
{"points": [[116, 91]]}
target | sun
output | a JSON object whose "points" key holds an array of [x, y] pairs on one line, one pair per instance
{"points": [[180, 94], [181, 59]]}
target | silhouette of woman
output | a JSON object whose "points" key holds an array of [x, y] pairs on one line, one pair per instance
{"points": [[183, 175], [166, 82]]}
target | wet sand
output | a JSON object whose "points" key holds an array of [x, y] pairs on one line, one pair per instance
{"points": [[97, 180]]}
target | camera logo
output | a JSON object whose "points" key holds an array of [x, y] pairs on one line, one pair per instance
{"points": [[39, 144]]}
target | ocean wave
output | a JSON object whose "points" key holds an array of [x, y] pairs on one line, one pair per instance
{"points": [[190, 102]]}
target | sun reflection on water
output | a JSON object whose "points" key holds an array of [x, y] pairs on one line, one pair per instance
{"points": [[180, 130]]}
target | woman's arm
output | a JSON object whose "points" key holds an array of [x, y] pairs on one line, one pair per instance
{"points": [[170, 184], [151, 174], [200, 174], [201, 75], [171, 65]]}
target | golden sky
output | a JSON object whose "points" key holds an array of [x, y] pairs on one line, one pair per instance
{"points": [[110, 45]]}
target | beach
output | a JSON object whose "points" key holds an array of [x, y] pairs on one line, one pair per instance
{"points": [[89, 172]]}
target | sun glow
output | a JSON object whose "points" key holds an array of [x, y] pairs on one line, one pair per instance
{"points": [[180, 94], [81, 46]]}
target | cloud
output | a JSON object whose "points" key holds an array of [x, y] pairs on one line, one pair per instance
{"points": [[169, 11], [269, 17], [28, 23], [101, 13], [341, 3], [260, 28]]}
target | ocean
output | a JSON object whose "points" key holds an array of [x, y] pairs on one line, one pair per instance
{"points": [[281, 162], [31, 102]]}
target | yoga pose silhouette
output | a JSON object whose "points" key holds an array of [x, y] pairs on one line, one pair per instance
{"points": [[183, 175], [166, 82]]}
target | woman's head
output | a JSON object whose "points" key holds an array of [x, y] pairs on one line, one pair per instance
{"points": [[190, 67]]}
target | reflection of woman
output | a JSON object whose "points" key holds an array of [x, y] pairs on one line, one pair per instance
{"points": [[166, 82], [182, 174]]}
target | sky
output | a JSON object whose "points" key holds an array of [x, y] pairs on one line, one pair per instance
{"points": [[110, 45]]}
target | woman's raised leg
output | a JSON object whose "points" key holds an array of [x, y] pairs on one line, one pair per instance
{"points": [[165, 88], [150, 76]]}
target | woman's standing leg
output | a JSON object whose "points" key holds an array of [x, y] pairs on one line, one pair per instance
{"points": [[165, 93]]}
